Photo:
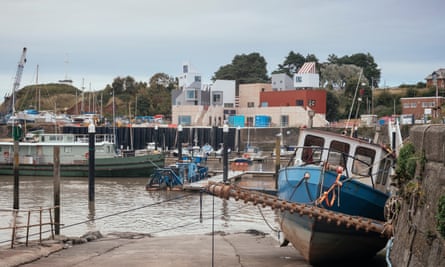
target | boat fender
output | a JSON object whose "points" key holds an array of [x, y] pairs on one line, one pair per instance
{"points": [[6, 154], [86, 155], [245, 155]]}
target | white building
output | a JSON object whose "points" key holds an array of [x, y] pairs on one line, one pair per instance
{"points": [[282, 81]]}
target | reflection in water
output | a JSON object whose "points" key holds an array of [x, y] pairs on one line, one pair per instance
{"points": [[124, 205], [91, 215]]}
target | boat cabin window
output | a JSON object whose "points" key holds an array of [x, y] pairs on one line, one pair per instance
{"points": [[363, 161], [338, 153], [383, 174], [52, 138], [312, 148], [67, 149]]}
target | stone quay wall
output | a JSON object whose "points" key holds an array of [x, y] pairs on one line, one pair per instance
{"points": [[417, 242]]}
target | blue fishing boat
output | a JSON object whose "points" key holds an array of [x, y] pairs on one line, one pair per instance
{"points": [[339, 175]]}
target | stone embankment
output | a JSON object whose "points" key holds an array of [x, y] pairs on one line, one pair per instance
{"points": [[417, 240]]}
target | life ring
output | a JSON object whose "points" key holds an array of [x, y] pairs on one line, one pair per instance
{"points": [[6, 154], [86, 155]]}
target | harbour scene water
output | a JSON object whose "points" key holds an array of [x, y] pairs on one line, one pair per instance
{"points": [[123, 205]]}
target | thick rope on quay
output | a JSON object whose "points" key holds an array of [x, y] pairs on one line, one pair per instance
{"points": [[257, 198]]}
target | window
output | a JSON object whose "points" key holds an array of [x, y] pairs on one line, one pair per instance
{"points": [[382, 176], [363, 160], [249, 121], [338, 153], [264, 104], [185, 119], [228, 105], [67, 149], [217, 99], [299, 102], [413, 105], [311, 103], [250, 104], [406, 105], [191, 94], [312, 150], [197, 78], [284, 120], [428, 104]]}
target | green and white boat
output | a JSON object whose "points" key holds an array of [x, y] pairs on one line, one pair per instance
{"points": [[36, 157]]}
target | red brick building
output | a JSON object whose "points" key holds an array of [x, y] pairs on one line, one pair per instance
{"points": [[419, 106], [438, 77], [314, 99]]}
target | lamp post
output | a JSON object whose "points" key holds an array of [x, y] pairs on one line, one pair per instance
{"points": [[156, 138], [225, 152], [179, 142]]}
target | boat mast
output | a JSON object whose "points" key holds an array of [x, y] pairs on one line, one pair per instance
{"points": [[37, 105], [81, 103]]}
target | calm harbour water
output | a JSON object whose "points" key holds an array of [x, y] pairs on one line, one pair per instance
{"points": [[123, 205]]}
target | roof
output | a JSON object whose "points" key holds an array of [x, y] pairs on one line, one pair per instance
{"points": [[440, 74], [308, 67]]}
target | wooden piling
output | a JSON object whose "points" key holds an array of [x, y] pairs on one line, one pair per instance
{"points": [[56, 185]]}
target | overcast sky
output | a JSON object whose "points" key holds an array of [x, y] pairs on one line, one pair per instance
{"points": [[99, 40]]}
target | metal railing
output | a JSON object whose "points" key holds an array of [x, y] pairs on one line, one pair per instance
{"points": [[33, 220]]}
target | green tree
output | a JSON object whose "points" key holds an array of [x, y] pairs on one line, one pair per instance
{"points": [[156, 99], [332, 107], [251, 68], [336, 76], [293, 62], [365, 61]]}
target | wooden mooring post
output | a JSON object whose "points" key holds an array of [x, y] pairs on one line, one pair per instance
{"points": [[56, 185], [16, 175]]}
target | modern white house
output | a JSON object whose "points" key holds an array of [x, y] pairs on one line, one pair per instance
{"points": [[197, 104]]}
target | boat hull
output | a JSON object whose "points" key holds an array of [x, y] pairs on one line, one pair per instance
{"points": [[140, 166], [320, 241]]}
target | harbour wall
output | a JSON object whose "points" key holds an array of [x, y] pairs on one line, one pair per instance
{"points": [[417, 241], [167, 137]]}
